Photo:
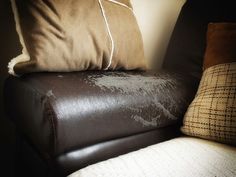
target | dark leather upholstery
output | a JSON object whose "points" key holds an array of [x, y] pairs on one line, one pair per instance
{"points": [[30, 163], [72, 161], [76, 119], [64, 112], [188, 42]]}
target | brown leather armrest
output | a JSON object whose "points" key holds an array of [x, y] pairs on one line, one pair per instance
{"points": [[60, 112]]}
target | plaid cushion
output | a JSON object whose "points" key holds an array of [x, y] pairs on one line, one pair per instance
{"points": [[212, 114]]}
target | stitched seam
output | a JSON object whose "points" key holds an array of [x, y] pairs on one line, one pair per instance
{"points": [[121, 4], [18, 25], [109, 34], [24, 56], [51, 115]]}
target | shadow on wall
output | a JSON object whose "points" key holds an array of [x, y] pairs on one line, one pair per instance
{"points": [[156, 19], [9, 48]]}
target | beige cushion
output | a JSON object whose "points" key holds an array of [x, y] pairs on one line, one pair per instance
{"points": [[179, 157], [212, 114], [76, 35]]}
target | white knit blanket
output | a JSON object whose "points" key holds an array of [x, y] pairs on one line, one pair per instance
{"points": [[180, 157]]}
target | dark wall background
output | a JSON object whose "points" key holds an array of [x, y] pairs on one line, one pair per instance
{"points": [[9, 48]]}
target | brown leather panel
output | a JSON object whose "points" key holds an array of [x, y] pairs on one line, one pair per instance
{"points": [[62, 112], [221, 44], [75, 160], [188, 42]]}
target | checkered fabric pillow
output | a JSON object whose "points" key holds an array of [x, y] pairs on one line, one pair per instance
{"points": [[212, 114]]}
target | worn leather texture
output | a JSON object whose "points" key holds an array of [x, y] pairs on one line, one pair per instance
{"points": [[64, 112], [77, 35], [188, 42], [221, 44], [58, 112]]}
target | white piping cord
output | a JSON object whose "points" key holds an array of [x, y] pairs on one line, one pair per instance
{"points": [[109, 33], [18, 26], [121, 4], [24, 56]]}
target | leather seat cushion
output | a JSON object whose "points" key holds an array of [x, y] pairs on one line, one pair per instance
{"points": [[63, 112], [70, 162]]}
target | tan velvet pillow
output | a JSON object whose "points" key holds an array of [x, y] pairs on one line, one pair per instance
{"points": [[75, 35], [212, 113]]}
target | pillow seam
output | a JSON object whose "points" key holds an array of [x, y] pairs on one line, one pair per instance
{"points": [[24, 56]]}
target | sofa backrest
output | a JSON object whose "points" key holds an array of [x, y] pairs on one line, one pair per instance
{"points": [[187, 44]]}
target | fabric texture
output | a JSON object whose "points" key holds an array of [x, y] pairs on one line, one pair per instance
{"points": [[180, 157], [76, 35], [212, 114], [221, 44]]}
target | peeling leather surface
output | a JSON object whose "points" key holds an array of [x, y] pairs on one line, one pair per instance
{"points": [[67, 111], [134, 86]]}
